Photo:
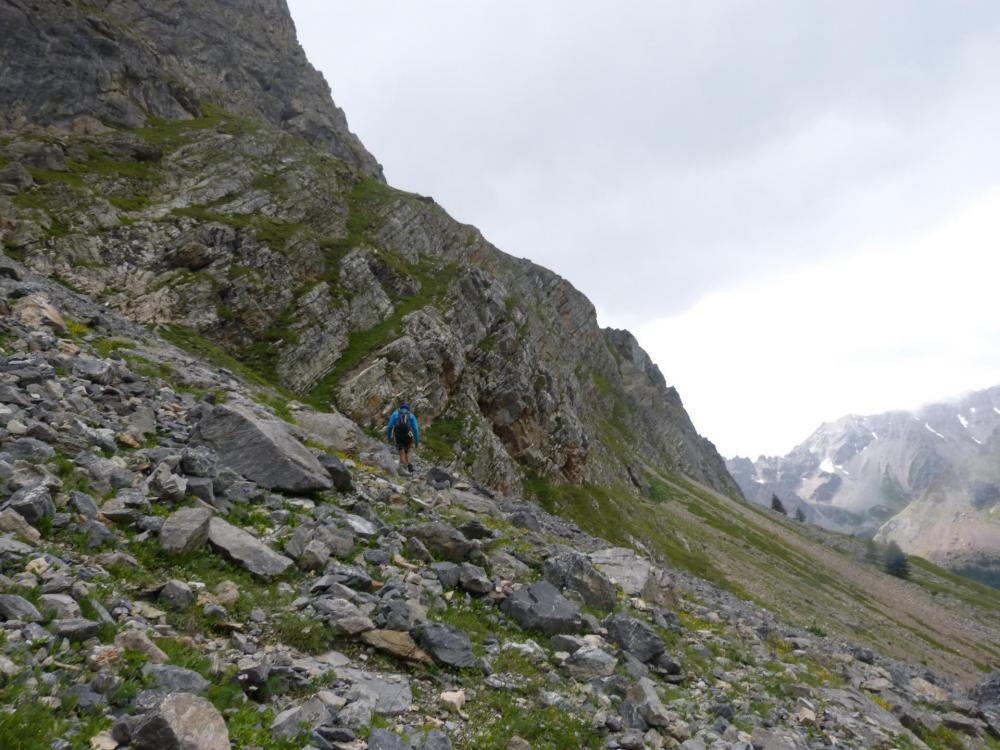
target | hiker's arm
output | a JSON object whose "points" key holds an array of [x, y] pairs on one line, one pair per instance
{"points": [[416, 429], [392, 423]]}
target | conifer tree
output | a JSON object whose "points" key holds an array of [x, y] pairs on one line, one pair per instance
{"points": [[777, 505], [896, 562], [799, 515]]}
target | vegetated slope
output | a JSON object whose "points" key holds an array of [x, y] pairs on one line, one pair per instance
{"points": [[217, 221], [929, 480], [180, 566], [809, 576]]}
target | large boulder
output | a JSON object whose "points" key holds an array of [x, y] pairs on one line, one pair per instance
{"points": [[245, 549], [34, 503], [185, 530], [260, 449], [443, 540], [338, 471], [574, 571], [446, 645], [542, 607], [624, 567], [14, 607], [634, 636], [182, 721]]}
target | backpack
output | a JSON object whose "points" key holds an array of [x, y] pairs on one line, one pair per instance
{"points": [[402, 432]]}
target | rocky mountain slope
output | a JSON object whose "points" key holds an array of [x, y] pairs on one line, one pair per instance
{"points": [[188, 560], [209, 299], [199, 179], [929, 480]]}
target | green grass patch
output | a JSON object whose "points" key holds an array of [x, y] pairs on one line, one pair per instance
{"points": [[620, 516], [307, 634]]}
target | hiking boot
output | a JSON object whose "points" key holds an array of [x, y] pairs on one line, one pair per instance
{"points": [[410, 467]]}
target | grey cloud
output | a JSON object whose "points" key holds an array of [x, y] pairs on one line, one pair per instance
{"points": [[651, 151]]}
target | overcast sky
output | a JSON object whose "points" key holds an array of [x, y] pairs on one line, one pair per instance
{"points": [[794, 206]]}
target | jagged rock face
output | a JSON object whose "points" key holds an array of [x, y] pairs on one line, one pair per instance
{"points": [[124, 61], [926, 480], [297, 261]]}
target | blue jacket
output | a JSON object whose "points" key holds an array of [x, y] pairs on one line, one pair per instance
{"points": [[413, 426]]}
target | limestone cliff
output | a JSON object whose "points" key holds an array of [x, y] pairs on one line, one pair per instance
{"points": [[182, 162]]}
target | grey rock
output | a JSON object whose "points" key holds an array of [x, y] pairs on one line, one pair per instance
{"points": [[75, 628], [84, 504], [361, 526], [181, 721], [10, 546], [624, 567], [34, 503], [314, 555], [339, 473], [634, 636], [14, 607], [590, 662], [447, 573], [400, 614], [383, 739], [59, 606], [246, 550], [508, 567], [435, 740], [11, 395], [31, 450], [541, 606], [443, 540], [175, 679], [167, 485], [348, 575], [343, 616], [14, 178], [644, 696], [574, 571], [202, 488], [474, 579], [185, 530], [391, 693], [445, 644], [198, 461], [307, 716], [176, 595], [776, 739], [987, 692], [261, 449], [95, 370]]}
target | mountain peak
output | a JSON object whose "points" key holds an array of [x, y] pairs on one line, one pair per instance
{"points": [[125, 63]]}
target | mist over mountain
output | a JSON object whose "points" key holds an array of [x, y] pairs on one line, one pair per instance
{"points": [[928, 480]]}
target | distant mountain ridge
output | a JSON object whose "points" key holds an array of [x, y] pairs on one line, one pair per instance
{"points": [[929, 480]]}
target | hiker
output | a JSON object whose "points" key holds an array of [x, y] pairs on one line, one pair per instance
{"points": [[404, 431]]}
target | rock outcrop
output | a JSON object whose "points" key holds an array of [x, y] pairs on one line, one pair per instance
{"points": [[178, 191], [87, 66]]}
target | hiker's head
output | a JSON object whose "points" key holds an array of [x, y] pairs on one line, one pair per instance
{"points": [[404, 407]]}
